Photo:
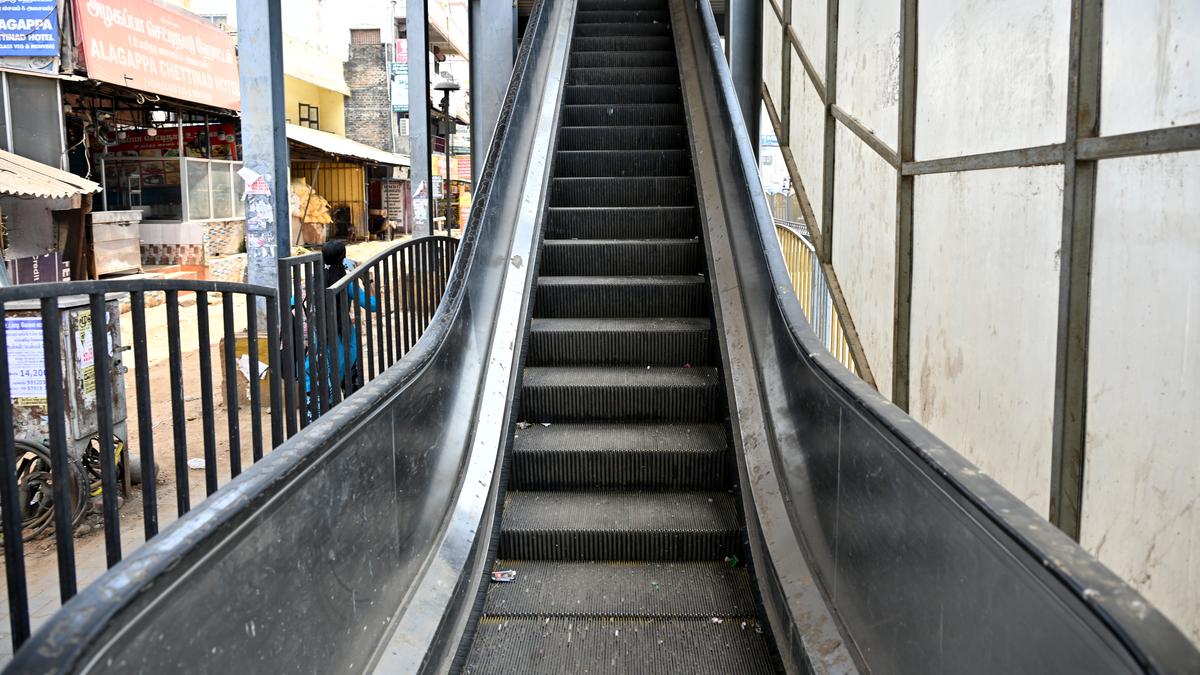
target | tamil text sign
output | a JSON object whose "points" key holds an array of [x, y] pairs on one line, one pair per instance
{"points": [[143, 45], [28, 28]]}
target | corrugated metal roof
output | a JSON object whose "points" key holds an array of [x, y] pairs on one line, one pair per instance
{"points": [[27, 178], [344, 147]]}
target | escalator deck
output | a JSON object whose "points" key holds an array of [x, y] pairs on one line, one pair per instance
{"points": [[619, 519]]}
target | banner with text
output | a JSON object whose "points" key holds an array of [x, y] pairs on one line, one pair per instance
{"points": [[28, 28], [150, 47]]}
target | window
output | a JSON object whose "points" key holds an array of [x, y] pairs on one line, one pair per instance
{"points": [[309, 116], [148, 185], [214, 190], [365, 36], [36, 108], [219, 20]]}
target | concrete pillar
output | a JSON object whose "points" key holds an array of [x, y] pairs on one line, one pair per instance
{"points": [[264, 139], [493, 28], [418, 116]]}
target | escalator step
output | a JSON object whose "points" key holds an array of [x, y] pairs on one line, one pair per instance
{"points": [[614, 393], [649, 75], [621, 589], [623, 16], [600, 115], [621, 5], [537, 646], [611, 94], [674, 222], [666, 137], [585, 257], [622, 191], [613, 342], [583, 163], [619, 456], [623, 29], [621, 43], [619, 526], [617, 297], [662, 57]]}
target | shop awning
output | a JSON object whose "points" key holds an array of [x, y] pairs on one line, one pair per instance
{"points": [[343, 147], [27, 178]]}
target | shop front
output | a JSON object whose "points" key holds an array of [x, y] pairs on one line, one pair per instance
{"points": [[160, 132], [339, 187]]}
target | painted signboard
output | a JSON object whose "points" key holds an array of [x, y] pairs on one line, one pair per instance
{"points": [[399, 77], [143, 45], [217, 140], [28, 28]]}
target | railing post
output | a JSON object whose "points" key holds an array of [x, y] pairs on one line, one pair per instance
{"points": [[60, 461], [10, 508], [102, 377]]}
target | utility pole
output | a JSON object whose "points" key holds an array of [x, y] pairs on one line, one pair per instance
{"points": [[447, 86], [417, 31], [264, 140]]}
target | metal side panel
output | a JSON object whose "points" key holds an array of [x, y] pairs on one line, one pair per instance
{"points": [[373, 522], [877, 547]]}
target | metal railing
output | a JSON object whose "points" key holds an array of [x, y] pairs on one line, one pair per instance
{"points": [[349, 333], [378, 311], [812, 289], [79, 450], [78, 455]]}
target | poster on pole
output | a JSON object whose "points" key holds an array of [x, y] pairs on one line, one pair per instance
{"points": [[26, 362], [420, 210], [399, 77]]}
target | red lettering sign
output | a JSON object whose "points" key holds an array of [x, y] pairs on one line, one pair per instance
{"points": [[150, 47]]}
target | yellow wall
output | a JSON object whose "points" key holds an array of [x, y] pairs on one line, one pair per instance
{"points": [[332, 104]]}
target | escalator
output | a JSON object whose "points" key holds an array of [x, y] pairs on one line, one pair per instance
{"points": [[619, 519], [618, 399]]}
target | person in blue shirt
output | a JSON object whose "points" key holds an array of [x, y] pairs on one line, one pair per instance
{"points": [[336, 266]]}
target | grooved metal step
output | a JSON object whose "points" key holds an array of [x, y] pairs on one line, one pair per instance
{"points": [[622, 29], [536, 646], [615, 393], [621, 589], [629, 59], [674, 222], [623, 16], [651, 75], [621, 43], [616, 297], [619, 456], [621, 5], [612, 342], [666, 137], [618, 519], [584, 257], [585, 163], [623, 191], [581, 94], [614, 114], [619, 526]]}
